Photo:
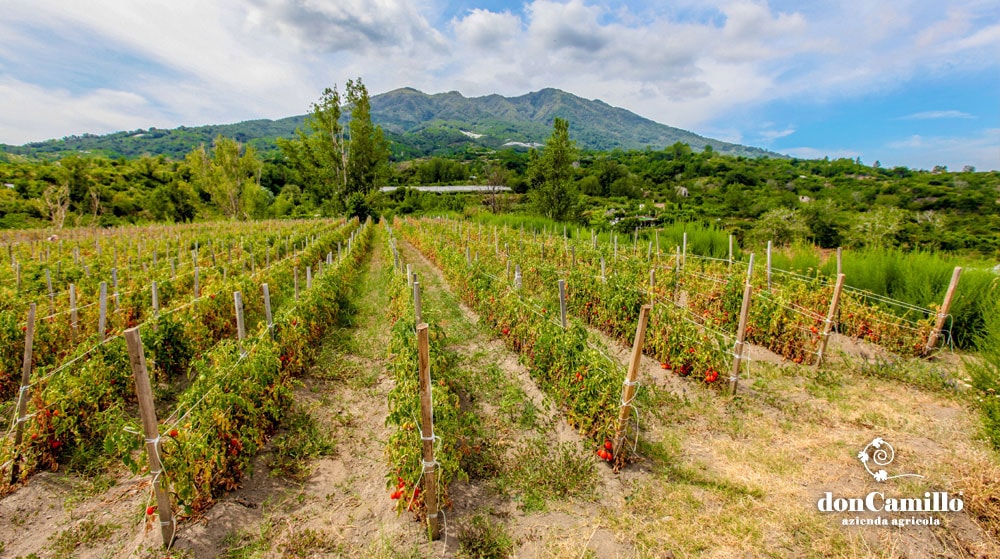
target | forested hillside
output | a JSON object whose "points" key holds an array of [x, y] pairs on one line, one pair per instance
{"points": [[416, 125], [829, 202]]}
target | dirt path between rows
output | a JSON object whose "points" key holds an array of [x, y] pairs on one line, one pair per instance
{"points": [[341, 507], [572, 527], [332, 505]]}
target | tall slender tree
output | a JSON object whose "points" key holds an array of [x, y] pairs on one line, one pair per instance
{"points": [[367, 154], [317, 157], [332, 167], [555, 196]]}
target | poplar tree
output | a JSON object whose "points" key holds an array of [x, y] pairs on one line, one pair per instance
{"points": [[366, 158], [230, 174], [555, 196]]}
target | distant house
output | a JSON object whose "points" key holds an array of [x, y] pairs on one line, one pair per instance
{"points": [[682, 192], [456, 188], [9, 185], [805, 199]]}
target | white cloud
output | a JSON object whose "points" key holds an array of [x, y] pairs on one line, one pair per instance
{"points": [[932, 115], [487, 30], [771, 135], [706, 65], [44, 113], [819, 153], [981, 150]]}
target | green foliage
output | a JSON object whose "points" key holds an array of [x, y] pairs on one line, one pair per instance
{"points": [[230, 174], [317, 159], [554, 195], [357, 206], [783, 226], [367, 161], [921, 278], [481, 537], [88, 533], [540, 470], [301, 441]]}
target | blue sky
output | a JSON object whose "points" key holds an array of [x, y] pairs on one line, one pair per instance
{"points": [[908, 82]]}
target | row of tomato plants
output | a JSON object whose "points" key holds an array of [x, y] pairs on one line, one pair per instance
{"points": [[563, 362], [786, 317], [55, 339], [78, 413], [138, 262], [611, 305], [453, 428], [235, 404]]}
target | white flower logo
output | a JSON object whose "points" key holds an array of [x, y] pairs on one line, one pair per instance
{"points": [[882, 454]]}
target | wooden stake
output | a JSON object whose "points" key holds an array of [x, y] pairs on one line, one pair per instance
{"points": [[417, 313], [741, 333], [427, 430], [241, 329], [22, 395], [52, 294], [309, 277], [942, 314], [147, 412], [730, 250], [102, 319], [828, 324], [156, 299], [296, 280], [562, 303], [769, 265], [74, 319], [652, 286], [684, 249], [604, 276], [517, 277], [267, 310], [628, 387], [409, 275], [839, 260]]}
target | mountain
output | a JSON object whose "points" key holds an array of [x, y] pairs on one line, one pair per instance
{"points": [[419, 124]]}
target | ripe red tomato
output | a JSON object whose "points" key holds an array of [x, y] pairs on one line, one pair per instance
{"points": [[607, 445], [150, 510]]}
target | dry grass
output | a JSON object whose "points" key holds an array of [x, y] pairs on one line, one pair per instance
{"points": [[741, 476]]}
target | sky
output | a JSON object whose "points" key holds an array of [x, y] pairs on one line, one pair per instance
{"points": [[901, 82]]}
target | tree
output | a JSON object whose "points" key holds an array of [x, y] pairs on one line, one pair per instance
{"points": [[318, 158], [330, 167], [230, 175], [367, 153], [496, 178], [555, 196], [56, 199], [783, 226], [877, 228]]}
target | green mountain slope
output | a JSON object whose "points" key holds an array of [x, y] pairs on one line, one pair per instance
{"points": [[418, 124]]}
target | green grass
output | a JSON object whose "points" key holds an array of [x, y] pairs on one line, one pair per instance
{"points": [[480, 537], [302, 442], [538, 470], [921, 278], [86, 534]]}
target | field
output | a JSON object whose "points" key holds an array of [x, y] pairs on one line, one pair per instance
{"points": [[300, 434]]}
